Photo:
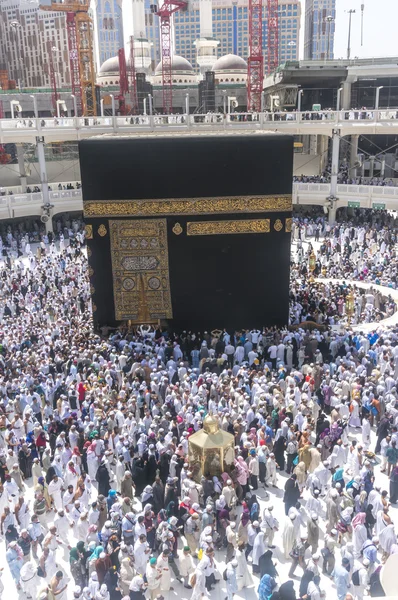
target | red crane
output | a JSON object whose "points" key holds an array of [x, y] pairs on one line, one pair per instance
{"points": [[123, 81], [133, 79], [273, 35], [255, 63], [53, 77], [74, 60], [168, 8]]}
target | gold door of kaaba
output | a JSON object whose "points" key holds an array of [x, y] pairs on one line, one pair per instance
{"points": [[140, 267]]}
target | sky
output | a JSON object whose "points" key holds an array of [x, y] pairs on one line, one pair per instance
{"points": [[379, 28]]}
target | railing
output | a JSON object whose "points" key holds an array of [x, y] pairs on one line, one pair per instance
{"points": [[17, 189], [234, 120], [360, 196], [303, 194]]}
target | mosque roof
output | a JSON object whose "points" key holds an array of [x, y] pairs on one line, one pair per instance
{"points": [[230, 62], [111, 65], [178, 63]]}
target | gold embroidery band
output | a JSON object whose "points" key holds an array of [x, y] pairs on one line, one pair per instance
{"points": [[140, 269], [188, 206], [228, 227]]}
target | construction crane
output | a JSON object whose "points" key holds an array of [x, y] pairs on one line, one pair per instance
{"points": [[255, 63], [81, 55], [273, 35], [123, 81], [168, 8], [53, 78], [133, 79], [126, 70]]}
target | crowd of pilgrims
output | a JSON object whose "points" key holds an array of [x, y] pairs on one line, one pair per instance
{"points": [[363, 249], [94, 437], [344, 178], [16, 238], [325, 303]]}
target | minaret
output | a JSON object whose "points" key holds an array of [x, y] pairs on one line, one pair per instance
{"points": [[206, 44], [142, 46]]}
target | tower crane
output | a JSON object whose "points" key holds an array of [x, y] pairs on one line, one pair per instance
{"points": [[123, 81], [133, 79], [167, 9], [81, 55], [127, 72], [273, 35], [255, 63]]}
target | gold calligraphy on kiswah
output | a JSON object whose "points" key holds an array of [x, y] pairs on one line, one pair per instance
{"points": [[188, 206]]}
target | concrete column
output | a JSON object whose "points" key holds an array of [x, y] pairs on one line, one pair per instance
{"points": [[372, 165], [21, 165], [323, 142], [49, 224], [334, 174], [383, 167], [43, 178], [345, 100], [353, 155]]}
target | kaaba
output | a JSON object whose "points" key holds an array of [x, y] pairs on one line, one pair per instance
{"points": [[191, 231]]}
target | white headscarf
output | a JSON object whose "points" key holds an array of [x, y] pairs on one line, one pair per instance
{"points": [[136, 583]]}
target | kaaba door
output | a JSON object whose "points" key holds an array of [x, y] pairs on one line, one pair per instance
{"points": [[140, 269]]}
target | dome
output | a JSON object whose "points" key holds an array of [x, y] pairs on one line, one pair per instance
{"points": [[179, 63], [210, 424], [230, 62], [111, 65]]}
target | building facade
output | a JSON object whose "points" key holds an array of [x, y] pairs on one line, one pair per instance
{"points": [[30, 40], [320, 21], [152, 27], [109, 24], [231, 29]]}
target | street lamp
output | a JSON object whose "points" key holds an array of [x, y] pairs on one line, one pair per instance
{"points": [[338, 98], [113, 104], [300, 95], [378, 96], [262, 101], [186, 104], [36, 112], [350, 12], [329, 20]]}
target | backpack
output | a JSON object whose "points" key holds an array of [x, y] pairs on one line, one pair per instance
{"points": [[355, 578]]}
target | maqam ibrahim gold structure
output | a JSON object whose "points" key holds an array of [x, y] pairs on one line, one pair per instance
{"points": [[211, 450]]}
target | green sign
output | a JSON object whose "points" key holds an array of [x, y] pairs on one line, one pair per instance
{"points": [[354, 204], [378, 206]]}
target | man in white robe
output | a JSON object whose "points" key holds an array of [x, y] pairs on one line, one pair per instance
{"points": [[54, 490]]}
